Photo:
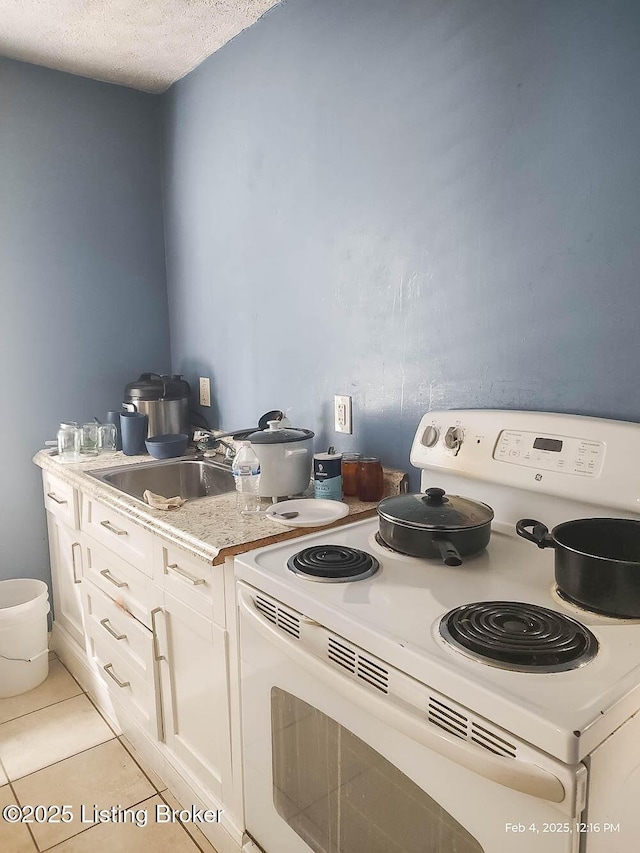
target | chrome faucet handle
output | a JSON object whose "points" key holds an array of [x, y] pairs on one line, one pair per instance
{"points": [[230, 450]]}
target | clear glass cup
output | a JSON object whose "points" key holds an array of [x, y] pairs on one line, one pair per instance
{"points": [[89, 440], [69, 442], [107, 438]]}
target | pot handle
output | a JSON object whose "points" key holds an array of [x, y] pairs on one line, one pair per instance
{"points": [[299, 451], [539, 532], [448, 552]]}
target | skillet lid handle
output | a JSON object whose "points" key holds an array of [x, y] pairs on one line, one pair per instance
{"points": [[435, 497], [539, 532]]}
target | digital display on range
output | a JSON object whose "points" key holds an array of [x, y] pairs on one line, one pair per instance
{"points": [[553, 444]]}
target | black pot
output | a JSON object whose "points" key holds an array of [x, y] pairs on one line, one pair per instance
{"points": [[597, 561], [435, 525]]}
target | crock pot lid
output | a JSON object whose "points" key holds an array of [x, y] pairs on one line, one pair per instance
{"points": [[435, 510], [152, 386], [279, 436]]}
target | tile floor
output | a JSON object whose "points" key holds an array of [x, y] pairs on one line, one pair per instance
{"points": [[56, 749]]}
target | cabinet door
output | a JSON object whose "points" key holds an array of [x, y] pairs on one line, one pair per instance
{"points": [[66, 575], [195, 693]]}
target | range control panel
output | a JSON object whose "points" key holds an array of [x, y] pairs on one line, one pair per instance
{"points": [[585, 460], [560, 453]]}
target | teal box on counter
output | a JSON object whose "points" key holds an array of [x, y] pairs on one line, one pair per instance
{"points": [[327, 476]]}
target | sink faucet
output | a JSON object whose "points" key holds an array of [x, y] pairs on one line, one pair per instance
{"points": [[207, 440]]}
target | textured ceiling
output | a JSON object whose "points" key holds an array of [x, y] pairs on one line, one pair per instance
{"points": [[145, 44]]}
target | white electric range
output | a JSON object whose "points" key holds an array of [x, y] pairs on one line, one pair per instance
{"points": [[355, 704]]}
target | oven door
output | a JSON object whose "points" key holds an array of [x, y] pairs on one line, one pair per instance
{"points": [[339, 758]]}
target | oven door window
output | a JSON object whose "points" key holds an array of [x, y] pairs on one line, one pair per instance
{"points": [[341, 796]]}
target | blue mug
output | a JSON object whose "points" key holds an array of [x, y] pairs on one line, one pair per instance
{"points": [[134, 432]]}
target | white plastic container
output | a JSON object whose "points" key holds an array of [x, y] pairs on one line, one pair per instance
{"points": [[24, 655], [246, 472]]}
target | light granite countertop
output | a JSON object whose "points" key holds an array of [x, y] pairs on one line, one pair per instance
{"points": [[210, 528]]}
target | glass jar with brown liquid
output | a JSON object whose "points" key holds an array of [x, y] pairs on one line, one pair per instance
{"points": [[369, 479], [350, 473]]}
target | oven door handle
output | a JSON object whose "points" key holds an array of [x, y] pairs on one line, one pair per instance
{"points": [[510, 772]]}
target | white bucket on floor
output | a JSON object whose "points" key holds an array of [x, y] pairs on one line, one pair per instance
{"points": [[24, 656]]}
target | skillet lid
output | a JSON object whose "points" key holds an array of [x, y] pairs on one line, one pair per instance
{"points": [[435, 510]]}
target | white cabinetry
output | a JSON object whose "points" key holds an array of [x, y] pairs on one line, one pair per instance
{"points": [[120, 535], [152, 620], [123, 651], [119, 600], [194, 664], [130, 588], [195, 693], [61, 502]]}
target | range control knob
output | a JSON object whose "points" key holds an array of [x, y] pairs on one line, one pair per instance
{"points": [[430, 436], [453, 439]]}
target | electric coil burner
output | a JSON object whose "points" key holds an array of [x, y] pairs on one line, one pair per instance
{"points": [[517, 636], [333, 564]]}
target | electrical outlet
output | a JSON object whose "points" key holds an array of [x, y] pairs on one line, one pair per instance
{"points": [[342, 413], [205, 391]]}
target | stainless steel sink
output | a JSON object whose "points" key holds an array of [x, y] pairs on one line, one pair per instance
{"points": [[188, 478]]}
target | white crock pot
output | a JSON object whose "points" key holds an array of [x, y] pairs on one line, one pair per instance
{"points": [[285, 458]]}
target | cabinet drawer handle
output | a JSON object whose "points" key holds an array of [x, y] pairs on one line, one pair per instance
{"points": [[156, 652], [158, 657], [113, 529], [107, 574], [57, 500], [108, 668], [107, 627], [73, 561], [176, 568]]}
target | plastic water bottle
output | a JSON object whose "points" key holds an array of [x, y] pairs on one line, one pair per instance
{"points": [[246, 472]]}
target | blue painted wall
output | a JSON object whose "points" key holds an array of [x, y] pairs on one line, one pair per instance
{"points": [[422, 204], [81, 273]]}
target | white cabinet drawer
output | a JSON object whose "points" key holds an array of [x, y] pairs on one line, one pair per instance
{"points": [[119, 580], [191, 580], [121, 535], [117, 629], [61, 500], [136, 692]]}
